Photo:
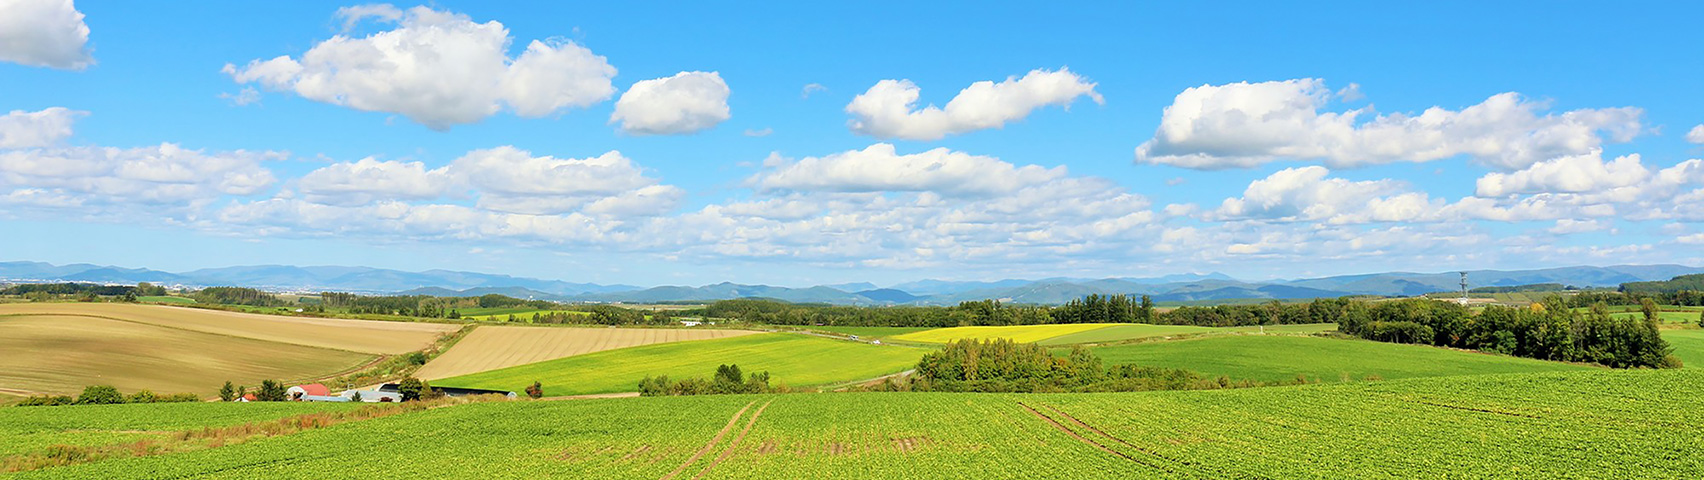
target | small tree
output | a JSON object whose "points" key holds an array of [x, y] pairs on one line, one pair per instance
{"points": [[355, 397], [536, 390], [1649, 307], [1701, 319], [410, 388], [242, 391], [272, 391], [228, 392], [100, 395]]}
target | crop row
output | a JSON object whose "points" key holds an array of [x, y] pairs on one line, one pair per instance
{"points": [[1598, 424]]}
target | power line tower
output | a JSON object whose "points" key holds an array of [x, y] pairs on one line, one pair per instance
{"points": [[1463, 288]]}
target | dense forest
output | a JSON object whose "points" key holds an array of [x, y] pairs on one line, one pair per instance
{"points": [[1683, 283]]}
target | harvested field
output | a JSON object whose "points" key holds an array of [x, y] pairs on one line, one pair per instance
{"points": [[62, 354], [492, 347], [364, 336]]}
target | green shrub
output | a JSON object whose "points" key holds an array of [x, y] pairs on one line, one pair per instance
{"points": [[100, 395]]}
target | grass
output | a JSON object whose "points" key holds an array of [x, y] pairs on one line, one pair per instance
{"points": [[62, 354], [1688, 346], [492, 347], [1017, 333], [1125, 332], [793, 359], [166, 299], [1595, 424], [27, 429], [1283, 357], [352, 335], [1678, 318]]}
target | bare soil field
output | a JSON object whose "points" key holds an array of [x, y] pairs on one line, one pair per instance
{"points": [[61, 354], [365, 336], [491, 347]]}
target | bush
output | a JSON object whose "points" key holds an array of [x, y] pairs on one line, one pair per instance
{"points": [[100, 395], [536, 390], [228, 392], [47, 401], [416, 358], [727, 380], [144, 396]]}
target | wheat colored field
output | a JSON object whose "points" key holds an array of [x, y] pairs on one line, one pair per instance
{"points": [[61, 354], [492, 347], [363, 336]]}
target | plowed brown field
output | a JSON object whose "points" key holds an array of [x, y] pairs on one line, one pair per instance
{"points": [[492, 347], [363, 336]]}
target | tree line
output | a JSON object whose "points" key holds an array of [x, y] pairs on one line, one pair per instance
{"points": [[1001, 365], [1550, 330]]}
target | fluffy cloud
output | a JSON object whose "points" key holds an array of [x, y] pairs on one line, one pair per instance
{"points": [[44, 33], [368, 179], [1249, 124], [1696, 135], [889, 109], [1305, 194], [684, 103], [1570, 174], [21, 129], [880, 168], [166, 175], [437, 68]]}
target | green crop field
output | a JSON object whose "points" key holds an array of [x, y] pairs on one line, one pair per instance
{"points": [[1688, 346], [1282, 357], [790, 358], [1594, 424], [1017, 333], [27, 429], [870, 332], [1125, 332]]}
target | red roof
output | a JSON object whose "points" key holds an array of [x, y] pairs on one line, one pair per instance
{"points": [[249, 396], [315, 389]]}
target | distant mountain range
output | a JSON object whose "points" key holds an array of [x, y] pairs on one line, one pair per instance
{"points": [[1186, 287]]}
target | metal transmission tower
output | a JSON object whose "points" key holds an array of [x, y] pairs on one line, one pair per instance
{"points": [[1463, 288]]}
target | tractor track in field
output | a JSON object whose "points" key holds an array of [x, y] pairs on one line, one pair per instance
{"points": [[729, 451], [713, 441], [1217, 473], [1061, 427]]}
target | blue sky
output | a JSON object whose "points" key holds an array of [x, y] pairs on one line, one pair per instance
{"points": [[771, 143]]}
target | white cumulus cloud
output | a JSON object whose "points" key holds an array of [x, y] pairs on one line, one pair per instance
{"points": [[1696, 135], [1570, 174], [44, 33], [369, 179], [880, 167], [1306, 194], [687, 102], [437, 68], [889, 109], [509, 179], [166, 174], [1248, 124], [47, 127]]}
